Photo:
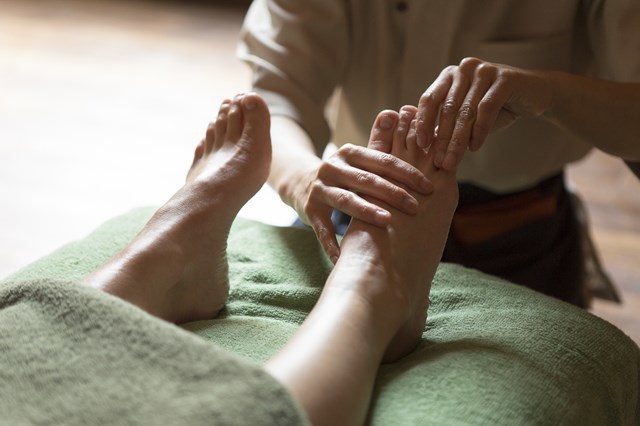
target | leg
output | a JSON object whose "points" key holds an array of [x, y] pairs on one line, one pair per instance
{"points": [[374, 301], [176, 268]]}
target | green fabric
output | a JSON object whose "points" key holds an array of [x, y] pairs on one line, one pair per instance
{"points": [[72, 355], [492, 352]]}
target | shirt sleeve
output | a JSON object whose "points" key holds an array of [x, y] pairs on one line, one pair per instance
{"points": [[613, 28], [297, 51]]}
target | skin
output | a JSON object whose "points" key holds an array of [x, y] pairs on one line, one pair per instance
{"points": [[470, 100], [374, 303], [176, 268], [314, 187], [424, 240], [456, 113]]}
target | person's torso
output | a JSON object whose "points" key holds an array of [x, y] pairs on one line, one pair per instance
{"points": [[399, 47]]}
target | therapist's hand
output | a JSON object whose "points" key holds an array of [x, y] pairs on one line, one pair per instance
{"points": [[468, 101], [352, 170]]}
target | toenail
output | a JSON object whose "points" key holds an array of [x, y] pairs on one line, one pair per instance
{"points": [[386, 123], [249, 102]]}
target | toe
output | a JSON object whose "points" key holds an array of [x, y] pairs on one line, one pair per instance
{"points": [[423, 157], [407, 113], [256, 115], [199, 152], [217, 130], [234, 121], [381, 138], [412, 138], [197, 156]]}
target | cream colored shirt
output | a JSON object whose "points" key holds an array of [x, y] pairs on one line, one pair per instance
{"points": [[385, 53]]}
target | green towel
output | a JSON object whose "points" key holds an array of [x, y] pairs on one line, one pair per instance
{"points": [[492, 352], [72, 355]]}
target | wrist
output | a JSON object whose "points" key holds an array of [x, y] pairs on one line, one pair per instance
{"points": [[557, 91], [293, 183]]}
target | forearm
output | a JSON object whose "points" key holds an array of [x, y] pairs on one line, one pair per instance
{"points": [[293, 155], [604, 113]]}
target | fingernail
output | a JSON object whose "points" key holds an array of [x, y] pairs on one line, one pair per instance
{"points": [[249, 103], [426, 185], [382, 217], [410, 205], [386, 123], [449, 161], [439, 158]]}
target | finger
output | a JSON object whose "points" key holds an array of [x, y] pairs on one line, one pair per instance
{"points": [[348, 178], [325, 233], [465, 121], [448, 113], [351, 204], [412, 138], [489, 109], [429, 107], [407, 113], [381, 136], [382, 164]]}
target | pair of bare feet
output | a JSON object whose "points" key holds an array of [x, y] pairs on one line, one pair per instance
{"points": [[374, 304], [176, 268]]}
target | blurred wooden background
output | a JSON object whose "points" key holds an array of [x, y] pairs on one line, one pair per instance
{"points": [[102, 103]]}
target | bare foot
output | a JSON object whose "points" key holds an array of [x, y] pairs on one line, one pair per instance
{"points": [[401, 260], [176, 268]]}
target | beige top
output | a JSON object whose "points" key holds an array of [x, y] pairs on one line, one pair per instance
{"points": [[385, 53]]}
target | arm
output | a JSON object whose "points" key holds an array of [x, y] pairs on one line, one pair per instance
{"points": [[478, 97], [467, 102], [298, 51], [314, 187], [604, 113]]}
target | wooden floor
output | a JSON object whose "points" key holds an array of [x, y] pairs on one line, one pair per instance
{"points": [[102, 102]]}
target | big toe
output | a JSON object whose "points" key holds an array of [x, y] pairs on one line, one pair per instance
{"points": [[381, 138], [256, 116]]}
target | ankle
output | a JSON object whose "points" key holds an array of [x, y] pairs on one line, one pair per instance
{"points": [[372, 285], [370, 321]]}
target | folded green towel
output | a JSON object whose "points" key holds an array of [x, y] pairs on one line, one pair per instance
{"points": [[492, 352]]}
